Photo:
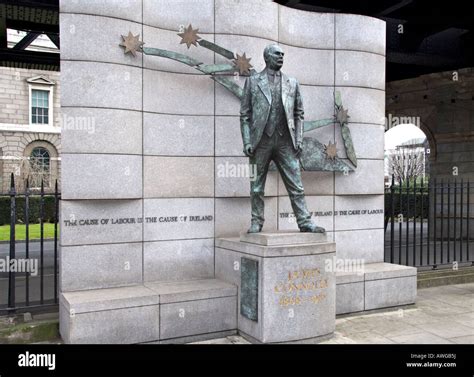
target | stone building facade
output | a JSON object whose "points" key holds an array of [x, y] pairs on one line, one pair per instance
{"points": [[30, 141], [442, 104], [443, 107]]}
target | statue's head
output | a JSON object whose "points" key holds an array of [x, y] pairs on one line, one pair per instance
{"points": [[273, 56]]}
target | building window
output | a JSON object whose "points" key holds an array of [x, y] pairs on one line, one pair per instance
{"points": [[39, 106], [40, 167], [40, 164], [41, 91]]}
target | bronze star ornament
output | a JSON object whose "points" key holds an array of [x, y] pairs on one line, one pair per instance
{"points": [[331, 150], [243, 64], [131, 43], [341, 115], [189, 36]]}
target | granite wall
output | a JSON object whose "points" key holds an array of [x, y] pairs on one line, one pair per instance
{"points": [[145, 194]]}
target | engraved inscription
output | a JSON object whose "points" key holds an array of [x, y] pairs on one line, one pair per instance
{"points": [[138, 220], [304, 286]]}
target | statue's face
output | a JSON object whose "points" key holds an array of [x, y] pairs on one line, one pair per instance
{"points": [[275, 58]]}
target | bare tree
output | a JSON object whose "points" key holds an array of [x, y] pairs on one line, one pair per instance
{"points": [[406, 164]]}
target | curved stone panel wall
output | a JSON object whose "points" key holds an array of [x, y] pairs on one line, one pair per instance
{"points": [[166, 149]]}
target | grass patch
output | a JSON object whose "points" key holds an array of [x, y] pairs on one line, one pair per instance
{"points": [[26, 333], [20, 231]]}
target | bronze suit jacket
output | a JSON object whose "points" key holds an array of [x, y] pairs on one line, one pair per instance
{"points": [[255, 108]]}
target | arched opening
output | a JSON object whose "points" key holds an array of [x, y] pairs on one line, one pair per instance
{"points": [[426, 216], [407, 155], [407, 171], [40, 165]]}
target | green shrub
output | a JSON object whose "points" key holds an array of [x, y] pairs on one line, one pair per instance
{"points": [[33, 213], [408, 206]]}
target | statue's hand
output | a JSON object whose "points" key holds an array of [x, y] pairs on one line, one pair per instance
{"points": [[248, 150]]}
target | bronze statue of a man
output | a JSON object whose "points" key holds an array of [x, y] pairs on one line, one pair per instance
{"points": [[271, 121]]}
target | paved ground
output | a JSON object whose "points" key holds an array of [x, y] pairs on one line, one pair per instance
{"points": [[441, 315], [34, 281]]}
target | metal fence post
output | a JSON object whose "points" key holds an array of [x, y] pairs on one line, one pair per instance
{"points": [[11, 274], [414, 222], [455, 218], [422, 216], [430, 222], [56, 213], [442, 222], [407, 240], [461, 224], [27, 239], [400, 219], [42, 242], [468, 215], [435, 230], [449, 221], [392, 220]]}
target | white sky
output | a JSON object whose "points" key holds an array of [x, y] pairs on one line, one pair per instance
{"points": [[401, 133], [41, 43]]}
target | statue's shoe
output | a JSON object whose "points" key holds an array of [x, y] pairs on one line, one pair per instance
{"points": [[312, 228], [255, 228]]}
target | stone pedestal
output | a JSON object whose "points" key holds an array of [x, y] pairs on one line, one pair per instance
{"points": [[285, 293]]}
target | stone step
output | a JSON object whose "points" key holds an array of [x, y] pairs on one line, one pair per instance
{"points": [[195, 308], [427, 279], [282, 238], [95, 300], [376, 286], [154, 312], [179, 291]]}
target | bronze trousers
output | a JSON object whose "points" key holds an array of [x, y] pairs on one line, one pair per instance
{"points": [[278, 148]]}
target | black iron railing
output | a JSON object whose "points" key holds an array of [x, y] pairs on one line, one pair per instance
{"points": [[25, 287], [429, 224]]}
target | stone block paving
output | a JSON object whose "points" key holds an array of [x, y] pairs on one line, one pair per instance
{"points": [[441, 315]]}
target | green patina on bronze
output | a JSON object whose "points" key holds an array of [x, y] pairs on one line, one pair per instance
{"points": [[229, 84], [337, 98], [249, 288], [271, 123], [217, 49], [314, 124], [346, 137], [314, 158], [342, 119], [216, 68], [172, 55]]}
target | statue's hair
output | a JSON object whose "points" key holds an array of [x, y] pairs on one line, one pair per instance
{"points": [[267, 50]]}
